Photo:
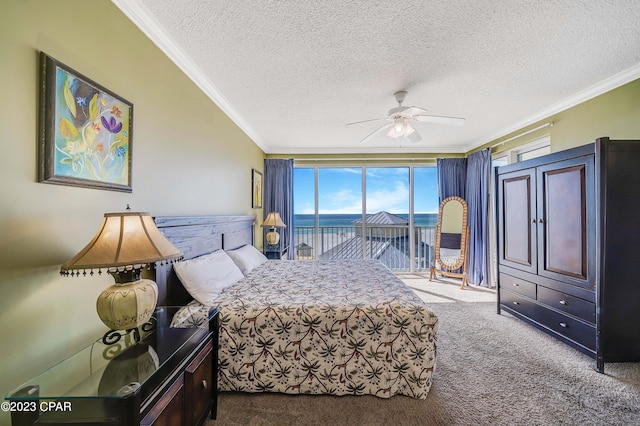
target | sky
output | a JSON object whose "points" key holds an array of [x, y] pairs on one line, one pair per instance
{"points": [[387, 188]]}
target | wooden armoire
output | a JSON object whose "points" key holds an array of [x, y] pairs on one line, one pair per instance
{"points": [[568, 231]]}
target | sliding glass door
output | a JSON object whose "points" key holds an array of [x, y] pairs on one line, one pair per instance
{"points": [[425, 217], [339, 207], [382, 213], [387, 230], [305, 213]]}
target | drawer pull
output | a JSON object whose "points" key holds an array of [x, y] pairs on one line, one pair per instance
{"points": [[516, 285], [564, 302], [204, 384], [516, 303], [563, 325]]}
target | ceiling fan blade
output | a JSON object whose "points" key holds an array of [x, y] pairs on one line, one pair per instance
{"points": [[414, 136], [456, 121], [367, 121], [414, 110], [376, 133]]}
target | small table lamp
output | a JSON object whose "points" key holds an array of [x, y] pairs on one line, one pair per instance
{"points": [[273, 221], [125, 243]]}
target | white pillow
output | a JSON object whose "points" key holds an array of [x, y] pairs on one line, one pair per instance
{"points": [[206, 276], [247, 258]]}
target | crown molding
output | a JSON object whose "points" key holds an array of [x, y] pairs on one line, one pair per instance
{"points": [[369, 150], [143, 19], [613, 82]]}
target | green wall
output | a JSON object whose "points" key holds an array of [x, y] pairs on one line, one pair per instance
{"points": [[189, 158], [615, 114]]}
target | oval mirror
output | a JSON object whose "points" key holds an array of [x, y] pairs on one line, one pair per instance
{"points": [[452, 214], [452, 233]]}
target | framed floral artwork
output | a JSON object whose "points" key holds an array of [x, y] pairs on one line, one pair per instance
{"points": [[85, 131], [256, 189]]}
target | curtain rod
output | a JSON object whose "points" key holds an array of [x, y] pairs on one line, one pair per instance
{"points": [[549, 124]]}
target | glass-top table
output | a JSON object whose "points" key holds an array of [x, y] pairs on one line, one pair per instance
{"points": [[116, 370]]}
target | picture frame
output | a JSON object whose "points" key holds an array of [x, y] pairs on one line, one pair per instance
{"points": [[256, 189], [85, 131]]}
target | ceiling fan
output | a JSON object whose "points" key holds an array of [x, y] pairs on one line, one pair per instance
{"points": [[400, 118]]}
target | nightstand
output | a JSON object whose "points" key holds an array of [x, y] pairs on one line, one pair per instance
{"points": [[169, 377], [276, 252]]}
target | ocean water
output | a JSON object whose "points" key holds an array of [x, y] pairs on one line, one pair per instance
{"points": [[423, 219]]}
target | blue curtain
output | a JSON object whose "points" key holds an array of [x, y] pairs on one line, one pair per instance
{"points": [[478, 181], [452, 177], [469, 178], [278, 197]]}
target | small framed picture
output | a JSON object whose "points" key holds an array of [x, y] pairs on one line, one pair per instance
{"points": [[85, 131], [256, 189]]}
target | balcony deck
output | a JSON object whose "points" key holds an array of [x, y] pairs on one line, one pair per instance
{"points": [[391, 244]]}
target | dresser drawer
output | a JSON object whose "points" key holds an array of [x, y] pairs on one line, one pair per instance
{"points": [[199, 386], [168, 410], [567, 303], [518, 303], [573, 329], [526, 288]]}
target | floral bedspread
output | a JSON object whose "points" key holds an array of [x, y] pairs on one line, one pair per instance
{"points": [[337, 327]]}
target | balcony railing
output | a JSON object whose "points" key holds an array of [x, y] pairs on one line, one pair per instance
{"points": [[388, 243]]}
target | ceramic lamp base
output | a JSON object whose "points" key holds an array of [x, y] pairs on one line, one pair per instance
{"points": [[273, 238], [123, 306]]}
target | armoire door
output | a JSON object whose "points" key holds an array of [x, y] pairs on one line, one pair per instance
{"points": [[516, 220], [566, 221]]}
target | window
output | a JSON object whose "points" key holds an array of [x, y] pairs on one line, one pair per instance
{"points": [[304, 210], [426, 194], [339, 206], [500, 161], [534, 152], [533, 149], [387, 228], [383, 213], [425, 207]]}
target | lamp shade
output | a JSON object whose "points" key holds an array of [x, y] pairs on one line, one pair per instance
{"points": [[273, 220], [128, 240], [125, 243]]}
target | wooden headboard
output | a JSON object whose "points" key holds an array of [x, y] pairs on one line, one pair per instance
{"points": [[195, 236]]}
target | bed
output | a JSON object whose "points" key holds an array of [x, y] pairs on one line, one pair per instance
{"points": [[338, 327]]}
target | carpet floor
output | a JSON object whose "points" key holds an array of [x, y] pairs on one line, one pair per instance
{"points": [[491, 370]]}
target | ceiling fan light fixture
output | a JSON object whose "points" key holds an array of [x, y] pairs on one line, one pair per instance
{"points": [[408, 130], [399, 121], [400, 129], [393, 133]]}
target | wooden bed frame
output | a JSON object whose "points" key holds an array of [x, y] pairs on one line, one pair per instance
{"points": [[196, 236]]}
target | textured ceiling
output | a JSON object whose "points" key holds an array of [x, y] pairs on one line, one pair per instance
{"points": [[293, 73]]}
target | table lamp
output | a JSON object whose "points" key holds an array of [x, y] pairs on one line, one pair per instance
{"points": [[273, 221], [124, 245]]}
